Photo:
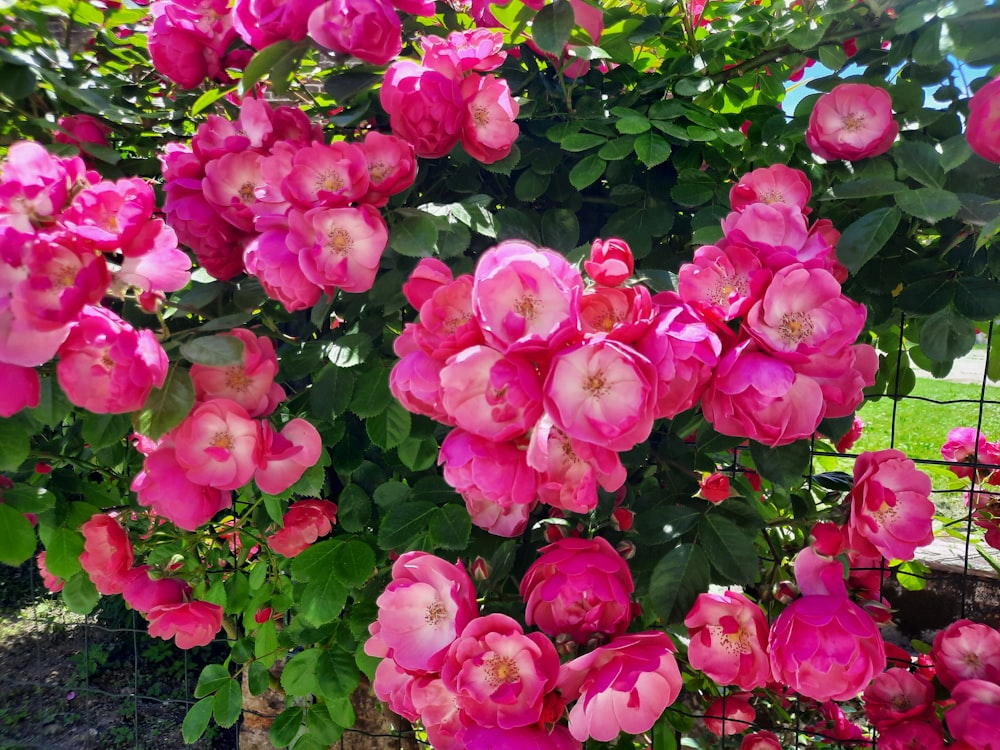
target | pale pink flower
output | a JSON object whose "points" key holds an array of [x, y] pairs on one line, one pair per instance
{"points": [[108, 367], [276, 266], [339, 248], [52, 583], [825, 647], [728, 715], [429, 275], [890, 504], [611, 261], [142, 591], [602, 392], [284, 456], [447, 323], [920, 734], [490, 394], [113, 216], [77, 130], [974, 717], [415, 381], [302, 524], [391, 164], [774, 184], [463, 51], [620, 313], [107, 553], [368, 29], [488, 127], [163, 485], [842, 377], [500, 675], [37, 185], [250, 383], [578, 587], [331, 175], [22, 389], [722, 284], [217, 444], [729, 640], [761, 741], [683, 349], [230, 186], [190, 624], [898, 695], [439, 713], [852, 121], [506, 520], [423, 610], [162, 267], [396, 687], [622, 687], [425, 107], [261, 23], [21, 343], [769, 228], [966, 445], [966, 650], [981, 127], [526, 297]]}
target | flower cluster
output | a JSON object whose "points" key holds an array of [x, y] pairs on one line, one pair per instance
{"points": [[264, 194], [189, 40], [225, 441], [446, 98], [977, 459], [370, 30], [71, 239], [471, 679]]}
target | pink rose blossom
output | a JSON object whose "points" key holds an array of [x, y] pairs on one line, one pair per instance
{"points": [[331, 175], [190, 624], [966, 650], [230, 186], [965, 445], [729, 640], [488, 127], [424, 609], [395, 687], [391, 164], [114, 216], [302, 524], [523, 738], [430, 275], [580, 588], [36, 185], [499, 675], [769, 228], [78, 130], [890, 505], [108, 367], [52, 583], [425, 107], [611, 262], [188, 38], [851, 436], [774, 184], [447, 322], [22, 389], [722, 284], [924, 734], [463, 51], [602, 392], [981, 127], [622, 687], [107, 553], [853, 121], [715, 488], [143, 592], [438, 713], [284, 456], [974, 717], [415, 381], [731, 714], [261, 23], [620, 313], [276, 266], [842, 377], [217, 444], [339, 248], [526, 297], [250, 383], [761, 741], [897, 696], [368, 29]]}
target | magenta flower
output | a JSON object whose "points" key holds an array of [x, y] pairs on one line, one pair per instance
{"points": [[415, 381], [488, 127], [981, 127], [769, 228], [621, 313], [447, 322], [261, 23], [231, 184], [284, 456], [463, 51], [77, 130], [966, 650], [425, 107], [163, 485], [302, 524], [499, 675], [918, 734], [217, 445], [774, 184], [107, 553], [523, 738], [331, 175], [190, 624], [729, 640], [891, 507], [53, 584], [276, 266], [965, 445], [250, 383], [368, 29], [391, 164], [578, 587], [974, 717], [732, 714], [852, 121], [896, 696], [761, 741], [622, 687], [22, 389], [722, 284], [340, 247], [611, 262], [143, 592]]}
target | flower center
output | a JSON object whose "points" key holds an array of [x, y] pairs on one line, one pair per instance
{"points": [[236, 379], [596, 385], [330, 181], [377, 171], [481, 116], [435, 613], [736, 642], [795, 326], [723, 291], [853, 122], [339, 240], [528, 307], [451, 324], [222, 440], [500, 670], [771, 196], [246, 192]]}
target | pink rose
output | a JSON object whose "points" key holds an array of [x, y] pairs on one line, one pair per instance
{"points": [[22, 389], [463, 51], [982, 128], [891, 507], [523, 738], [391, 166], [284, 456], [488, 127], [190, 624], [52, 583], [163, 485], [976, 713], [107, 553], [761, 741], [425, 107], [722, 284], [622, 313], [729, 640], [921, 734], [250, 382], [965, 445], [142, 592], [331, 175], [77, 130], [774, 184], [611, 262], [368, 29], [771, 229], [851, 436], [499, 675], [578, 587], [276, 266], [853, 121], [966, 650], [261, 23], [897, 696], [715, 487], [340, 248], [430, 275], [731, 714], [303, 523], [622, 687], [217, 444]]}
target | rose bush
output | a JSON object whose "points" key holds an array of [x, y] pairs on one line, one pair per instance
{"points": [[354, 297]]}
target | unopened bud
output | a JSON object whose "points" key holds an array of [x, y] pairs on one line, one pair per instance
{"points": [[565, 645], [626, 549], [622, 519], [480, 569]]}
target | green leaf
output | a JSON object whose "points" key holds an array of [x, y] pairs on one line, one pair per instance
{"points": [[529, 186], [977, 299], [867, 188], [560, 229], [331, 392], [730, 548], [692, 193], [206, 99], [17, 81], [552, 26], [862, 240], [783, 466], [102, 430], [17, 536], [807, 36], [62, 552], [390, 427], [354, 509], [15, 444], [582, 141], [298, 677], [676, 581], [315, 560], [633, 125], [450, 527], [371, 393], [278, 60], [913, 575], [418, 454], [586, 171], [665, 523], [415, 236], [403, 523], [921, 162], [652, 149], [354, 563], [79, 594], [167, 406], [214, 351], [265, 645], [286, 726], [228, 704], [929, 204], [322, 729], [258, 679], [993, 367], [347, 84], [323, 599], [337, 674], [946, 336], [617, 149], [196, 720], [349, 350], [832, 57]]}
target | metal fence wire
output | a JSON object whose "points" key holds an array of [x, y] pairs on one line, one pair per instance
{"points": [[99, 682]]}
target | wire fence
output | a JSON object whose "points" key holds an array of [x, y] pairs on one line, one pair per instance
{"points": [[69, 682]]}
